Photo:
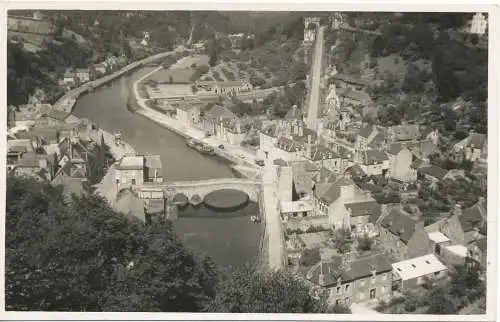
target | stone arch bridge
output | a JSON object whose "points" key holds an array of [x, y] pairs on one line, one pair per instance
{"points": [[199, 187]]}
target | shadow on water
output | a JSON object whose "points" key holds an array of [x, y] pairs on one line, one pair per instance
{"points": [[249, 209]]}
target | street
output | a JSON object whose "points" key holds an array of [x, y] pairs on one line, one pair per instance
{"points": [[312, 113]]}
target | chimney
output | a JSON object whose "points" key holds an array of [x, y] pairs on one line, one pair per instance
{"points": [[457, 210], [321, 279]]}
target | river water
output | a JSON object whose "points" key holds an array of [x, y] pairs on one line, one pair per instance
{"points": [[230, 241]]}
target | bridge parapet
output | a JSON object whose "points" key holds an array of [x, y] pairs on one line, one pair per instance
{"points": [[199, 187]]}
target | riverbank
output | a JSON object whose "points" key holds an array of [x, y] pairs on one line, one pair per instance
{"points": [[233, 153], [67, 101]]}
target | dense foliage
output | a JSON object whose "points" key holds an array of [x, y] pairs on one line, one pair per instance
{"points": [[83, 256], [247, 291], [463, 288]]}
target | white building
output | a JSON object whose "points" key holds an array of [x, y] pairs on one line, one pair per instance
{"points": [[413, 272], [478, 24]]}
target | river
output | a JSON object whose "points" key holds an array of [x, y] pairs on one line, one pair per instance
{"points": [[106, 106]]}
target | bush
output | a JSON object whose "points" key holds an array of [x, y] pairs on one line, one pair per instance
{"points": [[310, 257], [411, 303], [365, 243]]}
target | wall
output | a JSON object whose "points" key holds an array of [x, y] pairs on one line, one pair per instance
{"points": [[381, 283]]}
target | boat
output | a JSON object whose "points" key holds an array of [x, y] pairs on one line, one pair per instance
{"points": [[255, 219], [195, 200]]}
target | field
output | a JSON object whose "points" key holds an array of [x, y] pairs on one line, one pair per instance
{"points": [[181, 72]]}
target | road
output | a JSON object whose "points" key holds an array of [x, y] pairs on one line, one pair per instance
{"points": [[66, 102], [312, 113]]}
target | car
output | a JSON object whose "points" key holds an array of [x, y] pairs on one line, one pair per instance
{"points": [[221, 146]]}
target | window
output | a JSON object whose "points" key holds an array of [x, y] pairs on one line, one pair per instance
{"points": [[347, 287], [133, 181], [384, 277], [338, 290], [337, 302], [436, 273], [373, 293], [346, 300], [437, 249]]}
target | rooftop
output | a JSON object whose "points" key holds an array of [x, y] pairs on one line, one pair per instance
{"points": [[131, 163], [433, 171], [359, 268], [399, 223], [438, 237], [296, 206], [459, 250], [418, 267]]}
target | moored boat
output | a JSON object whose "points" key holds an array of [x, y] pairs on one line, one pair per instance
{"points": [[255, 219]]}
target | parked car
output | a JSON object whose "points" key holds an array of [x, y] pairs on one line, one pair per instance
{"points": [[221, 146], [259, 162]]}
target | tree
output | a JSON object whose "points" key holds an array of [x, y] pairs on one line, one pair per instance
{"points": [[310, 257], [342, 240], [248, 291], [94, 259], [474, 39], [340, 309], [378, 46], [365, 243]]}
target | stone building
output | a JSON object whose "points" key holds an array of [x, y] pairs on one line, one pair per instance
{"points": [[402, 236], [346, 281]]}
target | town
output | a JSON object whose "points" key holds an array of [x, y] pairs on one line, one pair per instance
{"points": [[366, 161]]}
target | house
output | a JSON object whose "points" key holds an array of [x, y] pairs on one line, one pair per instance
{"points": [[404, 133], [212, 118], [346, 281], [227, 88], [478, 251], [356, 171], [69, 78], [365, 135], [34, 165], [16, 149], [401, 161], [364, 215], [295, 132], [474, 147], [432, 173], [288, 150], [83, 75], [188, 113], [430, 134], [348, 81], [135, 170], [100, 69], [52, 118], [130, 170], [373, 162], [466, 226], [478, 24], [323, 156], [355, 97], [409, 274], [402, 236], [231, 131], [331, 200]]}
